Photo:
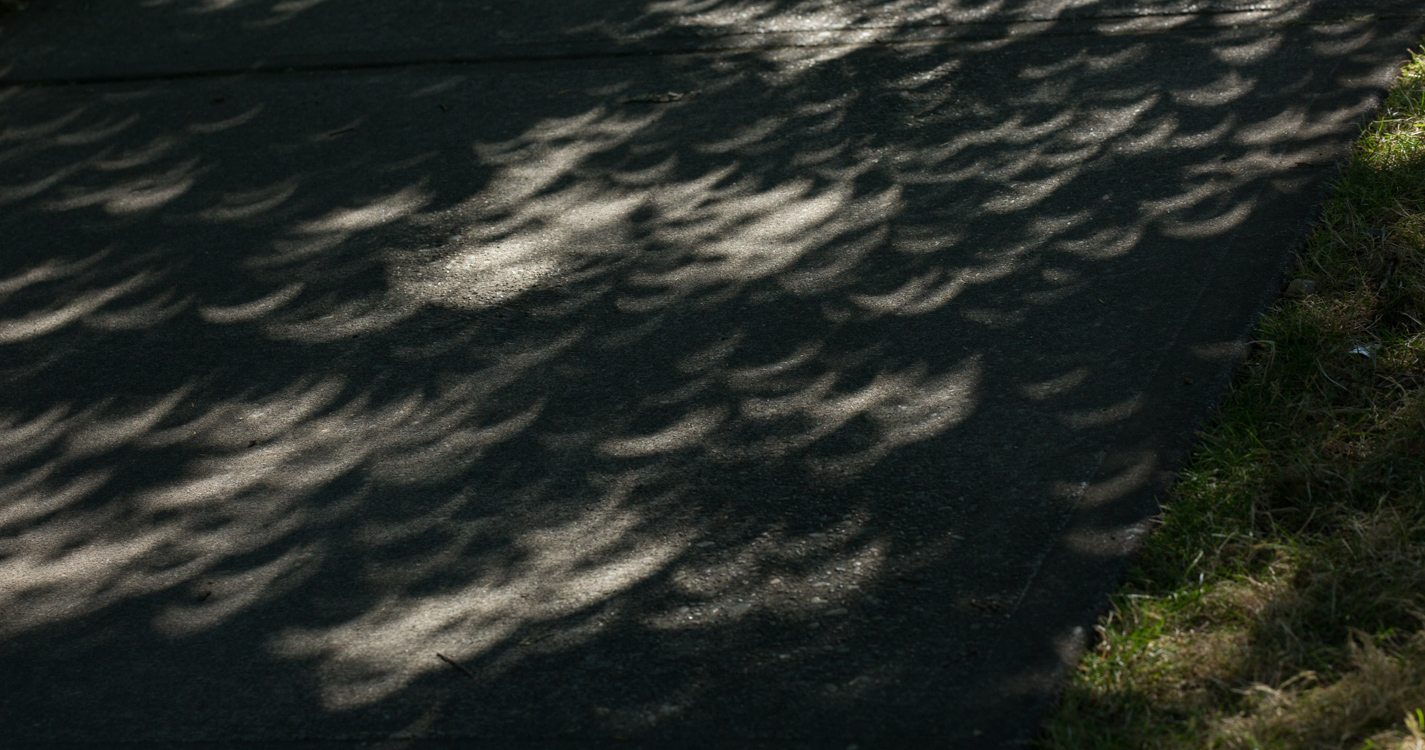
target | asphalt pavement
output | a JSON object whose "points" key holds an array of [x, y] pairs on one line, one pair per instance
{"points": [[690, 373]]}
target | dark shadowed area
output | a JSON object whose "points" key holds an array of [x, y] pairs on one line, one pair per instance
{"points": [[696, 373]]}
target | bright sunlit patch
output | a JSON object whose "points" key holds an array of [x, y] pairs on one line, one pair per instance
{"points": [[905, 407], [739, 587], [372, 214], [1230, 87], [685, 433], [478, 276], [1056, 386], [37, 324], [228, 123], [93, 436], [209, 6], [1139, 472], [1223, 222], [251, 310], [562, 570], [250, 203], [1106, 415], [1248, 51], [1273, 130], [920, 294]]}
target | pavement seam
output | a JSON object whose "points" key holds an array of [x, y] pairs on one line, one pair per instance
{"points": [[942, 34]]}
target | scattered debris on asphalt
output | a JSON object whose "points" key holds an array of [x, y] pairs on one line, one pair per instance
{"points": [[664, 98], [458, 667]]}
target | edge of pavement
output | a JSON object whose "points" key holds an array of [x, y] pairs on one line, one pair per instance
{"points": [[1116, 507]]}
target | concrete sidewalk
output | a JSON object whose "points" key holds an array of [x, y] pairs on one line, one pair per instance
{"points": [[790, 374]]}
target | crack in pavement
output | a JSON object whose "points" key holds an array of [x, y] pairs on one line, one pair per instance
{"points": [[944, 31]]}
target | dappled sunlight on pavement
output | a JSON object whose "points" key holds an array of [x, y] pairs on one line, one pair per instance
{"points": [[623, 391]]}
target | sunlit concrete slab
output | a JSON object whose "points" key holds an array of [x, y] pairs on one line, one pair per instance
{"points": [[792, 395]]}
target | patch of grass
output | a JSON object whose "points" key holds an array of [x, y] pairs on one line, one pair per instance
{"points": [[1281, 602]]}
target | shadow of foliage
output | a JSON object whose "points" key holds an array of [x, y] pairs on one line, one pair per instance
{"points": [[747, 386]]}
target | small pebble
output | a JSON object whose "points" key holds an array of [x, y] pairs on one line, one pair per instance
{"points": [[1301, 288]]}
